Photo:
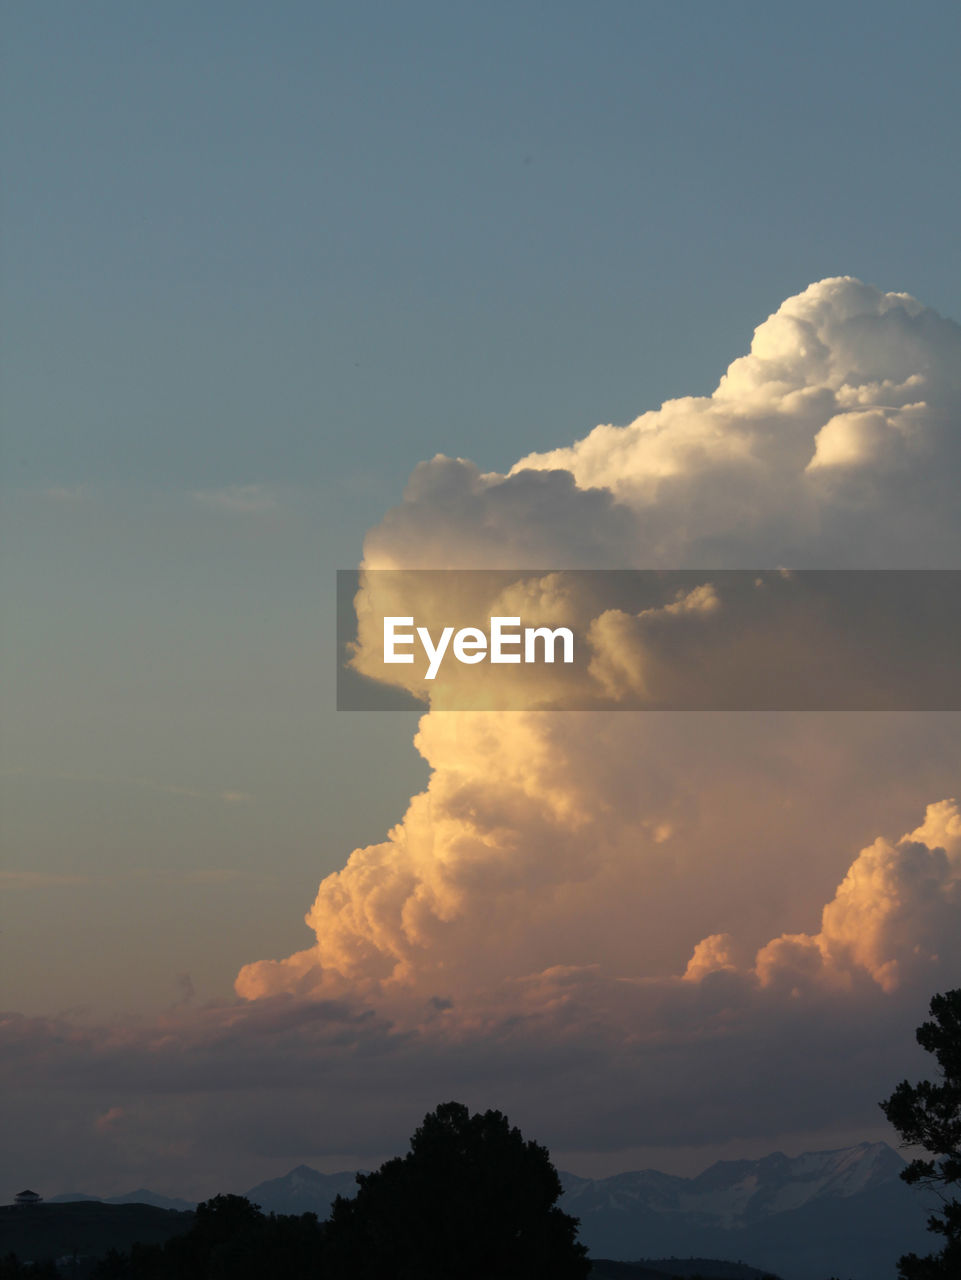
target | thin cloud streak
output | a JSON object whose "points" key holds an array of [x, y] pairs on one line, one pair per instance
{"points": [[145, 784], [242, 499]]}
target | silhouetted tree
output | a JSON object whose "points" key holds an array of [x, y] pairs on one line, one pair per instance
{"points": [[928, 1115], [114, 1265], [229, 1239], [471, 1199]]}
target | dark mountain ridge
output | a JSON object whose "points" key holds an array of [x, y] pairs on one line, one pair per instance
{"points": [[87, 1228]]}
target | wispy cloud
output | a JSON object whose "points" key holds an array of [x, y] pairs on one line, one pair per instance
{"points": [[229, 797], [109, 1118], [14, 880], [194, 875], [235, 797], [67, 494], [247, 499], [20, 880]]}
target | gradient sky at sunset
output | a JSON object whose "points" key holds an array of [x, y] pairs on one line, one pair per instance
{"points": [[261, 263]]}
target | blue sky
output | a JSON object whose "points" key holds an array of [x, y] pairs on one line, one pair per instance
{"points": [[287, 244], [275, 256]]}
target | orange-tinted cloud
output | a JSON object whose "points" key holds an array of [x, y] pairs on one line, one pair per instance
{"points": [[568, 844]]}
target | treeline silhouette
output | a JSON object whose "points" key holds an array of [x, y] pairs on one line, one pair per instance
{"points": [[230, 1237], [11, 1268], [472, 1199]]}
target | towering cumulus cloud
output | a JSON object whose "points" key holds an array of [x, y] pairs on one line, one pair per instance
{"points": [[611, 866], [835, 443]]}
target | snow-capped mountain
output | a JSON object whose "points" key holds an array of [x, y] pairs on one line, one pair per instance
{"points": [[303, 1190], [828, 1212], [733, 1193]]}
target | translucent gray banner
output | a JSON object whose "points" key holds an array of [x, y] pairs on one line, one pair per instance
{"points": [[679, 640]]}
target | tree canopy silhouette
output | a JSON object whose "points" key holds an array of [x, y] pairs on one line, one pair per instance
{"points": [[229, 1239], [928, 1115], [471, 1199]]}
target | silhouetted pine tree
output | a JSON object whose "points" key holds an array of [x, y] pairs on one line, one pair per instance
{"points": [[928, 1115]]}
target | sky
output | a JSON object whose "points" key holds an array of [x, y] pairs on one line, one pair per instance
{"points": [[259, 267]]}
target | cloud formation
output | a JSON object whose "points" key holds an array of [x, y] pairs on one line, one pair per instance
{"points": [[623, 929], [807, 1034], [833, 443], [894, 917]]}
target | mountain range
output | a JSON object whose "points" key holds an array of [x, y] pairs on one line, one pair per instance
{"points": [[141, 1196], [844, 1213]]}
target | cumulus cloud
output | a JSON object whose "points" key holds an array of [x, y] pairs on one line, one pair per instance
{"points": [[833, 443], [894, 918], [836, 436], [621, 660], [662, 917], [624, 845]]}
